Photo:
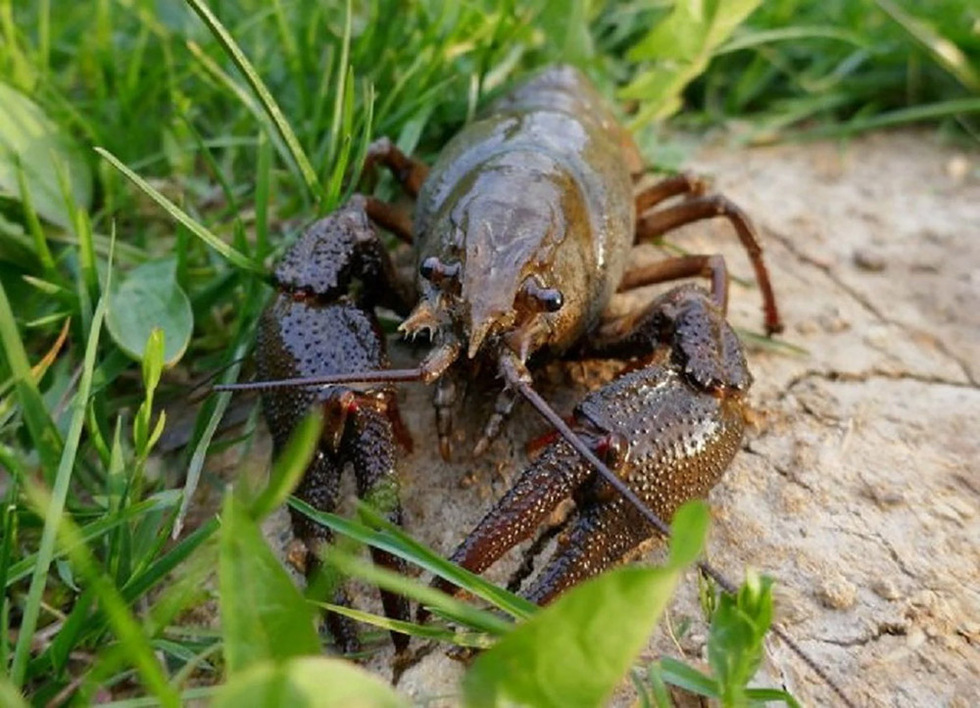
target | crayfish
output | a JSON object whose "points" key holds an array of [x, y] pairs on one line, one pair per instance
{"points": [[522, 233]]}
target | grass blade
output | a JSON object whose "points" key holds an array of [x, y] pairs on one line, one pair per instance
{"points": [[450, 607], [747, 40], [101, 526], [126, 627], [272, 109], [943, 51], [44, 434], [397, 542], [210, 417], [56, 507], [902, 116], [235, 257], [476, 640]]}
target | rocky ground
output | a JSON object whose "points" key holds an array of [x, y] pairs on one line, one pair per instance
{"points": [[858, 486]]}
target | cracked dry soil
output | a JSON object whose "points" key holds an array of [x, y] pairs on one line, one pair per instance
{"points": [[858, 486]]}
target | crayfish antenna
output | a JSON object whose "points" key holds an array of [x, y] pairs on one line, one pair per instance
{"points": [[517, 376], [432, 367], [380, 376]]}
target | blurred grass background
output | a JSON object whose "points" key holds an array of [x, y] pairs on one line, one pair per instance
{"points": [[159, 90]]}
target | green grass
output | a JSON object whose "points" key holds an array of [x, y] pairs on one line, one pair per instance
{"points": [[192, 140]]}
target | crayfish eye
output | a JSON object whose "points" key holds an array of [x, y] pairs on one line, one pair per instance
{"points": [[552, 299], [428, 267], [440, 274], [541, 298]]}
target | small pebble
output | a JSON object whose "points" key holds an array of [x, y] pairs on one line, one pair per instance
{"points": [[958, 167], [869, 260], [970, 629], [945, 511], [885, 589], [807, 327], [886, 498], [296, 555], [915, 638], [962, 507], [878, 336], [692, 643], [832, 324], [837, 593]]}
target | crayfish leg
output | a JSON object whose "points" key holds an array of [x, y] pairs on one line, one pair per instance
{"points": [[501, 412], [443, 401], [407, 171], [391, 218], [712, 267], [683, 184], [651, 225]]}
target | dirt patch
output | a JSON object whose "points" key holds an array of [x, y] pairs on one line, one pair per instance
{"points": [[858, 487], [860, 493]]}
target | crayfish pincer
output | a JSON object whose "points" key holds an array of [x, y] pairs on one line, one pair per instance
{"points": [[668, 428], [315, 326]]}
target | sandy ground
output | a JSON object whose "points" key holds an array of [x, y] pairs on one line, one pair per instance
{"points": [[858, 486]]}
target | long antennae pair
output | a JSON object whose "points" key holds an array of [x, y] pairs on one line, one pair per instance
{"points": [[515, 379]]}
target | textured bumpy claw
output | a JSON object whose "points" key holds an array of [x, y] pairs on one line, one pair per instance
{"points": [[668, 428], [313, 327]]}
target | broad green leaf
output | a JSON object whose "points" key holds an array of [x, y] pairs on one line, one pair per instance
{"points": [[574, 652], [263, 615], [569, 21], [738, 627], [687, 677], [28, 136], [308, 682], [149, 298], [688, 530], [577, 650], [680, 47]]}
